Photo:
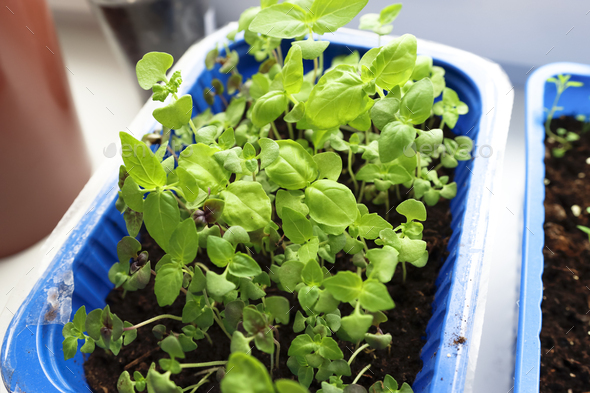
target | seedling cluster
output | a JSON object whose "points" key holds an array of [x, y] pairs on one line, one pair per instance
{"points": [[284, 175]]}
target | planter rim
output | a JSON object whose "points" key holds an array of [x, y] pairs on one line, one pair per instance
{"points": [[468, 291], [528, 343]]}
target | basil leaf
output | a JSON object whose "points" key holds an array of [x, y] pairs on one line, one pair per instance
{"points": [[269, 107], [337, 99], [394, 64], [220, 251], [248, 374], [412, 210], [311, 49], [184, 242], [331, 203], [330, 15], [168, 283], [176, 114], [374, 296], [293, 70], [198, 161], [296, 227], [152, 68], [384, 111], [344, 286], [394, 140], [161, 216], [246, 205], [383, 263], [141, 164], [281, 21], [294, 168], [244, 265], [417, 102], [329, 164], [371, 224]]}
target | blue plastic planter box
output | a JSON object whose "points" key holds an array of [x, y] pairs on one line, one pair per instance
{"points": [[32, 358], [539, 95]]}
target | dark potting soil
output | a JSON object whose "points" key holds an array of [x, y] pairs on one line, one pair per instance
{"points": [[565, 336], [407, 321]]}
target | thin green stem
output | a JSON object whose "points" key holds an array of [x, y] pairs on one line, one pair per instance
{"points": [[151, 320], [278, 351], [404, 272], [289, 127], [275, 131], [202, 266], [215, 317], [362, 193], [354, 355], [205, 364], [360, 374], [387, 204], [351, 172], [203, 381]]}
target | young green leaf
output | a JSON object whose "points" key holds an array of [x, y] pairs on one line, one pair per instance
{"points": [[374, 296], [328, 16], [296, 114], [383, 263], [132, 195], [248, 375], [246, 205], [311, 49], [417, 102], [394, 64], [329, 349], [184, 242], [329, 164], [394, 141], [296, 227], [279, 308], [312, 274], [152, 68], [371, 224], [176, 114], [140, 162], [344, 286], [293, 199], [269, 152], [198, 161], [331, 203], [168, 283], [288, 386], [269, 107], [356, 325], [217, 285], [338, 98], [389, 13], [293, 70], [302, 345], [161, 216], [244, 265], [281, 21], [294, 168], [220, 251], [412, 210]]}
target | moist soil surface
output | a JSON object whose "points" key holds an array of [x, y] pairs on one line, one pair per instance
{"points": [[407, 321], [565, 336]]}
